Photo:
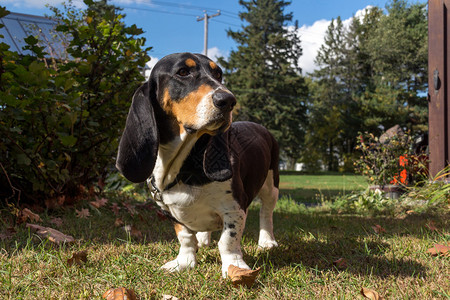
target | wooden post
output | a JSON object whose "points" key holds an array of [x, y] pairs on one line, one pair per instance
{"points": [[439, 84]]}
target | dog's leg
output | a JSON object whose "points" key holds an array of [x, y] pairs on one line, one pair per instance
{"points": [[188, 248], [203, 238], [269, 196], [230, 241]]}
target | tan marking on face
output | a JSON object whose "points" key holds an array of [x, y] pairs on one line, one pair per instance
{"points": [[178, 227], [185, 110], [213, 65], [190, 62], [167, 106]]}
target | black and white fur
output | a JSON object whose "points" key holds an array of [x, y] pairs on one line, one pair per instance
{"points": [[206, 169]]}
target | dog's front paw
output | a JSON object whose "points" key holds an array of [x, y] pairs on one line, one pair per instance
{"points": [[235, 260], [267, 244], [181, 263]]}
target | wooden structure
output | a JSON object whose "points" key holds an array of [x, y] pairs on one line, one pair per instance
{"points": [[439, 84]]}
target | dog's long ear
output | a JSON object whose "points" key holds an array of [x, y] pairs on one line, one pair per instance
{"points": [[216, 161], [138, 146]]}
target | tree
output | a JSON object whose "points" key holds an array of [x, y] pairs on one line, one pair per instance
{"points": [[372, 76], [398, 52], [61, 120], [329, 98], [263, 73]]}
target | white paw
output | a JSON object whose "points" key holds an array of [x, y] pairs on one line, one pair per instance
{"points": [[203, 238], [180, 263], [235, 260], [267, 244]]}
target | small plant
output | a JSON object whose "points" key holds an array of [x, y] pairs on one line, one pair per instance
{"points": [[390, 161]]}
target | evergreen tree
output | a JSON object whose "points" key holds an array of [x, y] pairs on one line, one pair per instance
{"points": [[263, 73], [327, 113]]}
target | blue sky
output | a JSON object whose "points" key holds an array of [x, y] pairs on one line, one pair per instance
{"points": [[171, 26]]}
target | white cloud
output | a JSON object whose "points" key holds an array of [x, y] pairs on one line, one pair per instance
{"points": [[38, 3], [214, 53], [312, 37], [150, 64]]}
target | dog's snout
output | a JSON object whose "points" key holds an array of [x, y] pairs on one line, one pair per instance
{"points": [[224, 100]]}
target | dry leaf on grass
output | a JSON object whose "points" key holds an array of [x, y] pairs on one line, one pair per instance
{"points": [[99, 202], [431, 226], [371, 294], [133, 231], [83, 213], [131, 208], [53, 235], [118, 222], [378, 229], [78, 258], [26, 214], [115, 208], [341, 263], [119, 294], [240, 276], [439, 250]]}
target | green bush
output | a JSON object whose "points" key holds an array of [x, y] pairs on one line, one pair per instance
{"points": [[390, 162], [61, 119]]}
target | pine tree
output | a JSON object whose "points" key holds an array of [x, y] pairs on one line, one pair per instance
{"points": [[263, 73]]}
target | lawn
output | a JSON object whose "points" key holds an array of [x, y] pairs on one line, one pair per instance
{"points": [[394, 263], [319, 187]]}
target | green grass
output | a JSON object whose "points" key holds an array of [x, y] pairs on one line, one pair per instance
{"points": [[395, 263], [319, 188]]}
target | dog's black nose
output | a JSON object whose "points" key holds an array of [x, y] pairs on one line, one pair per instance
{"points": [[224, 100]]}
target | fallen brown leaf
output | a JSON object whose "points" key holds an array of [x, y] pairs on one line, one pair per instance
{"points": [[240, 276], [378, 229], [119, 294], [78, 258], [118, 222], [115, 208], [133, 231], [371, 294], [99, 202], [431, 226], [341, 263], [83, 213], [53, 235], [439, 250], [131, 208], [26, 214]]}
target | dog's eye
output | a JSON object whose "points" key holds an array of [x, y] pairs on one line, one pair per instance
{"points": [[183, 72], [217, 75]]}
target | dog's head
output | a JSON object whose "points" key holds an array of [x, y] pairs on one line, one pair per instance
{"points": [[184, 94], [189, 88]]}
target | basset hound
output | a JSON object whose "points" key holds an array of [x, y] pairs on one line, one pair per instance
{"points": [[203, 169]]}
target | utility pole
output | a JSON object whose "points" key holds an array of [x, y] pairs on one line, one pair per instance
{"points": [[206, 17]]}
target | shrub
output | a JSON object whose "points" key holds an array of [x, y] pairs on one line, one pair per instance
{"points": [[389, 162], [61, 119]]}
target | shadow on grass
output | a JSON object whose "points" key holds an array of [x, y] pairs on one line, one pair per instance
{"points": [[315, 241], [311, 240]]}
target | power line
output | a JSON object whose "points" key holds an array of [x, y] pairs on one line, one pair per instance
{"points": [[160, 11], [217, 21]]}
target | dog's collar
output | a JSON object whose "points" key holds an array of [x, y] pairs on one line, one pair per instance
{"points": [[157, 196]]}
